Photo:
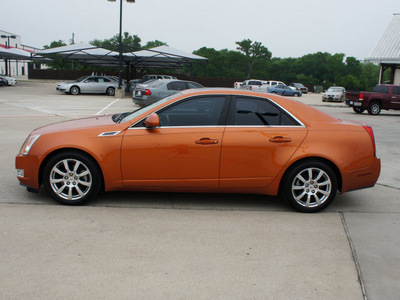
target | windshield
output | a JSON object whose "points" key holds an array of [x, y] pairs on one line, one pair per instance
{"points": [[145, 109], [80, 79], [331, 89]]}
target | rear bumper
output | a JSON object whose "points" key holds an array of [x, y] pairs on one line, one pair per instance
{"points": [[362, 178], [353, 103]]}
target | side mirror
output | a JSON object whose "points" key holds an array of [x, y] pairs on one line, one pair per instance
{"points": [[152, 121]]}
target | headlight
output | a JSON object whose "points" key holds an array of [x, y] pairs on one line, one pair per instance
{"points": [[28, 144]]}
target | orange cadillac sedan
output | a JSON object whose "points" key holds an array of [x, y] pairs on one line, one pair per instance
{"points": [[208, 140]]}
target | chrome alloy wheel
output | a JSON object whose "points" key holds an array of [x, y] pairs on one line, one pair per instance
{"points": [[70, 179], [311, 187]]}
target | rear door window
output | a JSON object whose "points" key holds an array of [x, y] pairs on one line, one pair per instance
{"points": [[177, 86], [258, 112]]}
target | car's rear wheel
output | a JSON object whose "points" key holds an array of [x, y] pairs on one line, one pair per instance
{"points": [[110, 91], [72, 178], [74, 90], [296, 94], [374, 108], [309, 186], [358, 110]]}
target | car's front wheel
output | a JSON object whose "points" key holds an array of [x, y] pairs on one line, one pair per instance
{"points": [[74, 90], [72, 178], [296, 94], [110, 91], [309, 186]]}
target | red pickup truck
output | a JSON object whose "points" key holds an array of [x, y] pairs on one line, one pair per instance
{"points": [[383, 96]]}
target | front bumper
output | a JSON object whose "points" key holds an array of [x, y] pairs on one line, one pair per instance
{"points": [[61, 89], [28, 170]]}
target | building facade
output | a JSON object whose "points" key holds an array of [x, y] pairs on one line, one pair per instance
{"points": [[13, 67]]}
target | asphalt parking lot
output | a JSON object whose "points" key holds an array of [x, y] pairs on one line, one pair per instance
{"points": [[131, 245]]}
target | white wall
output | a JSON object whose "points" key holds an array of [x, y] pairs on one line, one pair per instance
{"points": [[396, 79]]}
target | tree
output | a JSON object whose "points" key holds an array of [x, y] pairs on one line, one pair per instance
{"points": [[254, 51], [55, 44], [129, 42], [57, 63], [155, 43]]}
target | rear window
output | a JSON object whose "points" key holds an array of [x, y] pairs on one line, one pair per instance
{"points": [[383, 89], [155, 83]]}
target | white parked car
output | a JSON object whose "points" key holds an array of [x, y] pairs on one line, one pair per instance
{"points": [[274, 82], [89, 84], [238, 85], [334, 93], [9, 80]]}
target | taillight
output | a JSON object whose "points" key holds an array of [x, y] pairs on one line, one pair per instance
{"points": [[147, 92], [371, 134], [361, 97]]}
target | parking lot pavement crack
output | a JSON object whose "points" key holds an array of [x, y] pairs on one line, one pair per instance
{"points": [[33, 109], [388, 186], [355, 258]]}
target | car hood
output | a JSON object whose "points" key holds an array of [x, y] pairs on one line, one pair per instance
{"points": [[80, 124], [69, 82]]}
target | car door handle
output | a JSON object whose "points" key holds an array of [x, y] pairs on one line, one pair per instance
{"points": [[280, 139], [206, 141]]}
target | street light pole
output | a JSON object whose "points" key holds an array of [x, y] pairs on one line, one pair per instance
{"points": [[120, 42], [120, 47]]}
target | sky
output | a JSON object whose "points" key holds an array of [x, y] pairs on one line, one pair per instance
{"points": [[288, 28]]}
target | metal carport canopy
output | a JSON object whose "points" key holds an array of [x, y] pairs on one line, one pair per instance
{"points": [[14, 53], [158, 57]]}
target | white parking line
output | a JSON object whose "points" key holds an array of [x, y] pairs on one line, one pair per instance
{"points": [[107, 106]]}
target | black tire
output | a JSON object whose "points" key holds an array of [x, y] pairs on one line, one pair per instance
{"points": [[110, 91], [273, 92], [296, 95], [358, 110], [75, 90], [374, 108], [309, 186], [72, 178]]}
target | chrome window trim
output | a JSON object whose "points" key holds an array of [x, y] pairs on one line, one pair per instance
{"points": [[220, 126]]}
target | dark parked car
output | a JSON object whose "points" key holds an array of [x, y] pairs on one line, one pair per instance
{"points": [[299, 87]]}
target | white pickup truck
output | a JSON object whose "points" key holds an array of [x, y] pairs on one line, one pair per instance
{"points": [[256, 85]]}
